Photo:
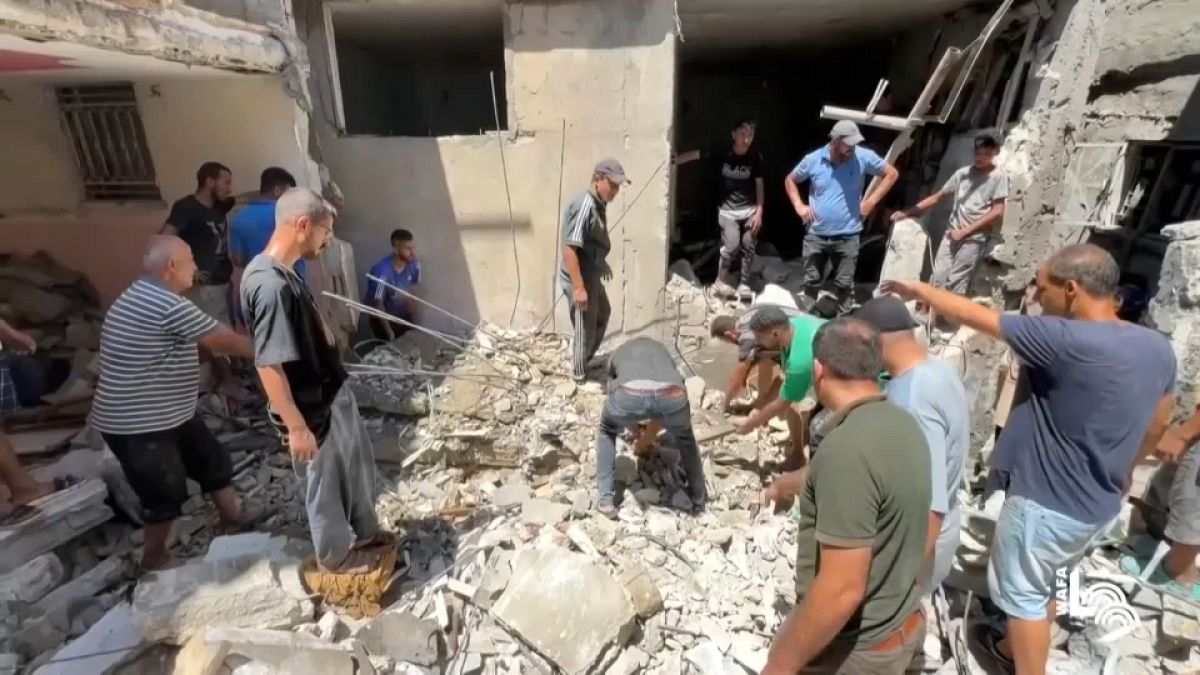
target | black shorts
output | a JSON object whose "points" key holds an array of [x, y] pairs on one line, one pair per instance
{"points": [[158, 464]]}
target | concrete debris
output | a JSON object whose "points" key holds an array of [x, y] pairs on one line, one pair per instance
{"points": [[173, 604], [285, 651], [113, 640], [403, 637], [58, 519], [31, 581], [567, 607], [643, 592]]}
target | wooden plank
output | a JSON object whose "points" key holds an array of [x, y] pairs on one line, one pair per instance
{"points": [[881, 121]]}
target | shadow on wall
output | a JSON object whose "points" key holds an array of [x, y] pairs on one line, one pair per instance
{"points": [[1187, 127], [610, 25]]}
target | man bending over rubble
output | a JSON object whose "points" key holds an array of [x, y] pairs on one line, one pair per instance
{"points": [[301, 370], [584, 267], [793, 338], [1100, 396], [863, 516], [932, 393], [737, 331], [145, 405], [645, 386]]}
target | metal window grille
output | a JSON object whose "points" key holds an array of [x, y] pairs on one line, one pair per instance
{"points": [[106, 131]]}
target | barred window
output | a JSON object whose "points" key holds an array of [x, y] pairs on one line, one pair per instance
{"points": [[106, 132]]}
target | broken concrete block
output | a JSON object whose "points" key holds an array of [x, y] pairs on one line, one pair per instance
{"points": [[642, 591], [544, 512], [171, 605], [511, 495], [59, 518], [905, 254], [568, 608], [31, 581], [286, 652], [707, 658], [113, 640], [63, 607], [495, 578], [401, 636], [257, 545], [695, 391]]}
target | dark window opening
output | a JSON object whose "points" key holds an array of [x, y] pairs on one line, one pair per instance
{"points": [[423, 74]]}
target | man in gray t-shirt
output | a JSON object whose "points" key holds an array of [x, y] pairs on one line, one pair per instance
{"points": [[978, 192], [932, 393]]}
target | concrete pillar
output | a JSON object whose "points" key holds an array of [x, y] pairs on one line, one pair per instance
{"points": [[1038, 149]]}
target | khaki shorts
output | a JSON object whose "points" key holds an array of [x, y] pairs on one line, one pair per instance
{"points": [[212, 300]]}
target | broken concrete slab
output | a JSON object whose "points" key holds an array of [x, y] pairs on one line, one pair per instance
{"points": [[257, 545], [495, 578], [567, 607], [511, 495], [287, 652], [56, 612], [906, 251], [113, 640], [544, 512], [643, 592], [171, 605], [401, 636], [707, 659], [42, 441], [33, 580], [58, 518]]}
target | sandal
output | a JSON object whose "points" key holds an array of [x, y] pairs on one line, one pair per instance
{"points": [[1159, 580], [989, 639], [23, 512]]}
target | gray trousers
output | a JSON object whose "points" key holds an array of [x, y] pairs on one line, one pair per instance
{"points": [[843, 660], [1175, 490], [590, 325], [339, 490], [821, 253], [626, 407], [954, 266], [738, 244]]}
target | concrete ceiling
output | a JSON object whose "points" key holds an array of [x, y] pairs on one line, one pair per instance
{"points": [[411, 24], [66, 62], [748, 24]]}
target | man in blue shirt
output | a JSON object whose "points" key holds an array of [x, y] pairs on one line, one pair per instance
{"points": [[1100, 396], [251, 226], [399, 270], [836, 175]]}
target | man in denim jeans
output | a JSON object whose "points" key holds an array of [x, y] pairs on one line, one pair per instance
{"points": [[1100, 396], [645, 386], [836, 175]]}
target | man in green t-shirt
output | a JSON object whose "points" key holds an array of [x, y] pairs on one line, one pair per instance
{"points": [[863, 516], [793, 337]]}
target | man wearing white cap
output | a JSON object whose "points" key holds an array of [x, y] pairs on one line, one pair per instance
{"points": [[835, 208]]}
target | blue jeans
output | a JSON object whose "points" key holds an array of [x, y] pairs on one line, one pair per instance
{"points": [[623, 409]]}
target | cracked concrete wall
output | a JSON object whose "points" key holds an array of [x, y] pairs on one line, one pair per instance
{"points": [[604, 70], [1149, 68], [181, 34], [1038, 150]]}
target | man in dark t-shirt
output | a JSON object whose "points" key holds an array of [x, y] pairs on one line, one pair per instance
{"points": [[200, 220], [301, 370], [644, 386], [739, 208], [1100, 392]]}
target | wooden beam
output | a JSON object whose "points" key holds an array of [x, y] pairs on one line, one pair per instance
{"points": [[882, 121]]}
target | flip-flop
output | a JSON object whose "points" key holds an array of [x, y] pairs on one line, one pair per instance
{"points": [[989, 639], [23, 512], [1159, 580]]}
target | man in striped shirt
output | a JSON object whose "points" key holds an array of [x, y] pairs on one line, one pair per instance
{"points": [[584, 268], [145, 405]]}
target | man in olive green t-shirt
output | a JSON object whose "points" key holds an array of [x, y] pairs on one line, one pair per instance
{"points": [[793, 337], [863, 515]]}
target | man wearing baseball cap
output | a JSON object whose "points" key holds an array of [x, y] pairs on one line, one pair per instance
{"points": [[932, 393], [584, 267], [836, 174]]}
